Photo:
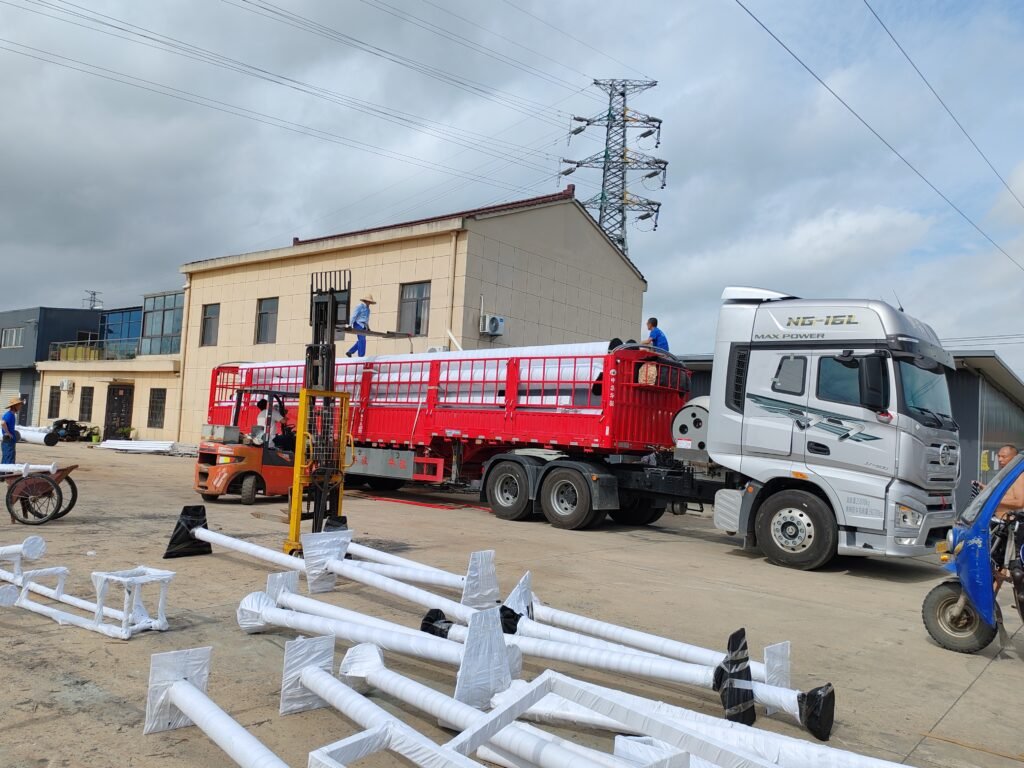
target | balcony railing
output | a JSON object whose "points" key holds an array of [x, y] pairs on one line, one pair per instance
{"points": [[109, 349]]}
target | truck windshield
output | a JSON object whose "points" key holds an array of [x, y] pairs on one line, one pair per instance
{"points": [[925, 393]]}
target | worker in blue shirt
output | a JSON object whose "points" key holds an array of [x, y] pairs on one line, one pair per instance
{"points": [[657, 338], [8, 425], [361, 322]]}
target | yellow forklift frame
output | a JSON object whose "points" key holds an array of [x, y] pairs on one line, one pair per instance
{"points": [[302, 477]]}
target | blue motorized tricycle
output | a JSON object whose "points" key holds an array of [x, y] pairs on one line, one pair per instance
{"points": [[984, 551]]}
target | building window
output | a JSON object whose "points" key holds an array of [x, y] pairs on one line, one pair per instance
{"points": [[157, 405], [266, 321], [789, 378], [414, 308], [85, 404], [161, 324], [12, 337], [211, 324], [120, 331], [53, 409], [88, 336]]}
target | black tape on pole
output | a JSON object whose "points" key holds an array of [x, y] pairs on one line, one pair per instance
{"points": [[733, 683], [182, 543], [436, 623]]}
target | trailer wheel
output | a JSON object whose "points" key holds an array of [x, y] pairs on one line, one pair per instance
{"points": [[565, 499], [796, 529], [508, 491], [382, 484], [247, 493], [636, 510]]}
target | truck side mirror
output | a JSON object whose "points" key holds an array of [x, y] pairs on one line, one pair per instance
{"points": [[874, 384]]}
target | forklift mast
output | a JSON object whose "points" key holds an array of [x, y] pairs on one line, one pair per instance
{"points": [[328, 309]]}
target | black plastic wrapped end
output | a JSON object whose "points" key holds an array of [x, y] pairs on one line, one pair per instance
{"points": [[732, 681], [335, 523], [436, 623], [182, 543], [818, 710], [509, 620]]}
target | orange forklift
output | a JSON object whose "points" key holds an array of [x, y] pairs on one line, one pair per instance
{"points": [[253, 455]]}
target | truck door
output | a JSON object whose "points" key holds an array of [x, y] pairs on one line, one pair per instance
{"points": [[850, 442], [776, 398]]}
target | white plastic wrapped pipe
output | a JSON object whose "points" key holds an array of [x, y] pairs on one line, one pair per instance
{"points": [[32, 548], [257, 611], [415, 575], [248, 548], [313, 607], [28, 469], [38, 436], [650, 667], [785, 751], [10, 596], [364, 664], [58, 595], [662, 646], [363, 552], [240, 745]]}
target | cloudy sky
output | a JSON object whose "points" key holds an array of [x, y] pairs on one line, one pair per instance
{"points": [[249, 121]]}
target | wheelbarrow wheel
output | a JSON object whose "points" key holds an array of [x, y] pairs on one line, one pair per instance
{"points": [[34, 500], [70, 490]]}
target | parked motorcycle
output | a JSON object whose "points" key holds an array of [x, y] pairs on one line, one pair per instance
{"points": [[961, 614]]}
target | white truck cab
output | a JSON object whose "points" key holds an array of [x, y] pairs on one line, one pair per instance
{"points": [[836, 414]]}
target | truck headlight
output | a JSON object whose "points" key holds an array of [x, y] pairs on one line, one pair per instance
{"points": [[907, 517]]}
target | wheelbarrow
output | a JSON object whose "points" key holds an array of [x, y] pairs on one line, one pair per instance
{"points": [[37, 498]]}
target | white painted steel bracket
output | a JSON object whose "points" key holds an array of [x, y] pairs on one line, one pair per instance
{"points": [[165, 670]]}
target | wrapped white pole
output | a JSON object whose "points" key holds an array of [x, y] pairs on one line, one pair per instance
{"points": [[364, 665], [28, 469], [492, 666], [32, 548], [177, 698], [38, 436]]}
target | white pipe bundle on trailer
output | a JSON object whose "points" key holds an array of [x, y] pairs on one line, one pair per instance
{"points": [[138, 446], [28, 469], [365, 665]]}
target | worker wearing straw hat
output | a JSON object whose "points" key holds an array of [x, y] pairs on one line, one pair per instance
{"points": [[8, 423], [361, 322]]}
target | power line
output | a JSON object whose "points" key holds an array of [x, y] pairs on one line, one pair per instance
{"points": [[429, 26], [233, 109], [484, 143], [943, 103], [510, 101], [584, 43], [879, 136], [500, 36]]}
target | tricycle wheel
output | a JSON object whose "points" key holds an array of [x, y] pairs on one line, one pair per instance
{"points": [[70, 491], [33, 500], [967, 633]]}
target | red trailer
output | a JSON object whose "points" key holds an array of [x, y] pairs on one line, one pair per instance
{"points": [[566, 433]]}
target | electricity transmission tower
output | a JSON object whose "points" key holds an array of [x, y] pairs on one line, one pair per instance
{"points": [[614, 200]]}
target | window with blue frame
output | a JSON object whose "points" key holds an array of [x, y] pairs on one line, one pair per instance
{"points": [[161, 324]]}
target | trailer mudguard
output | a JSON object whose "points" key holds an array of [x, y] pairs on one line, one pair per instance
{"points": [[532, 465]]}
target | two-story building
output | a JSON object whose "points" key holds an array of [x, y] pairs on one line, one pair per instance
{"points": [[25, 338]]}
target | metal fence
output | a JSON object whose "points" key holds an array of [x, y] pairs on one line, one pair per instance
{"points": [[108, 349]]}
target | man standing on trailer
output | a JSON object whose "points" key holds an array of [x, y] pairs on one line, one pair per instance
{"points": [[8, 426], [361, 322], [657, 338]]}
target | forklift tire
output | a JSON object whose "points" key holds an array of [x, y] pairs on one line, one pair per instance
{"points": [[247, 493], [210, 497], [796, 529], [508, 492], [636, 511], [565, 499], [382, 484]]}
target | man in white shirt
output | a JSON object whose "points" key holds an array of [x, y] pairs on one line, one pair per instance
{"points": [[261, 422]]}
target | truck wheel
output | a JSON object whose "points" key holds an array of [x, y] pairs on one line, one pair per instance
{"points": [[796, 529], [247, 493], [385, 483], [967, 633], [565, 499], [635, 510], [508, 491]]}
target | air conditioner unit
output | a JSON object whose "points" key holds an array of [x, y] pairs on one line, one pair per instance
{"points": [[67, 385], [435, 350], [492, 325]]}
